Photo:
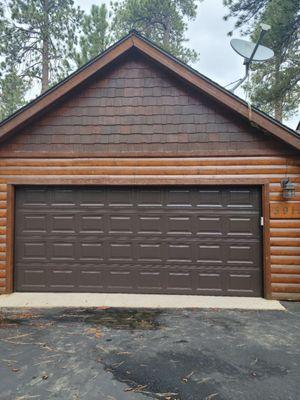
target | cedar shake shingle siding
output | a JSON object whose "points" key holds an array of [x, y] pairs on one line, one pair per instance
{"points": [[137, 107]]}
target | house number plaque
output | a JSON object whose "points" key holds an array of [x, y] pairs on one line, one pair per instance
{"points": [[285, 210]]}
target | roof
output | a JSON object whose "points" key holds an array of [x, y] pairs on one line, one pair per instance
{"points": [[134, 40]]}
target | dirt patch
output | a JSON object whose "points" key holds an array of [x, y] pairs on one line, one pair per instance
{"points": [[125, 319], [8, 322], [16, 319]]}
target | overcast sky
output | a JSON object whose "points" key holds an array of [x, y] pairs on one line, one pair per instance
{"points": [[208, 36]]}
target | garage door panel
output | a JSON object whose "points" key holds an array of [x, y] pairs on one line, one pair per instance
{"points": [[209, 254], [32, 279], [243, 254], [92, 198], [91, 279], [63, 251], [63, 223], [209, 198], [122, 252], [141, 252], [180, 281], [31, 223], [180, 198], [120, 279], [63, 197], [150, 252], [149, 198], [209, 282], [240, 198], [209, 225], [120, 198], [149, 224], [122, 224], [93, 224], [91, 251], [33, 250], [62, 278], [244, 282], [242, 226], [37, 197], [177, 223], [181, 252], [180, 225], [151, 280], [139, 239]]}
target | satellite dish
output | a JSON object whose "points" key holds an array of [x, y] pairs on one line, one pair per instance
{"points": [[251, 52], [245, 49]]}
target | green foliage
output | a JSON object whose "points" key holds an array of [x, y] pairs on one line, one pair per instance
{"points": [[12, 93], [94, 37], [162, 21], [37, 36], [246, 12], [274, 85], [41, 41]]}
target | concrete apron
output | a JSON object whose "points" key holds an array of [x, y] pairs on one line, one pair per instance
{"points": [[48, 300]]}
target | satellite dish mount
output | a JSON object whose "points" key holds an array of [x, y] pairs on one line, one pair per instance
{"points": [[251, 52]]}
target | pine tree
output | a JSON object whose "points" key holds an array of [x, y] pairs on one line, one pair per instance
{"points": [[162, 21], [12, 93], [275, 85], [39, 35], [94, 37]]}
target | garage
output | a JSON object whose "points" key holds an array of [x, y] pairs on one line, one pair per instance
{"points": [[176, 239], [137, 174]]}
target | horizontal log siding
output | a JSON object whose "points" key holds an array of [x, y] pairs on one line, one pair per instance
{"points": [[285, 233]]}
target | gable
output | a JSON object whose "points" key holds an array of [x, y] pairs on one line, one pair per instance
{"points": [[136, 107]]}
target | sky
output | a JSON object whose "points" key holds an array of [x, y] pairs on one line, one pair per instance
{"points": [[207, 35]]}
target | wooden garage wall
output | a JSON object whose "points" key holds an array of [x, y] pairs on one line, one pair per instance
{"points": [[138, 110], [284, 233]]}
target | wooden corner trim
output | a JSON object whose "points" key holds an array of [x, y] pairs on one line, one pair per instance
{"points": [[10, 237], [266, 241]]}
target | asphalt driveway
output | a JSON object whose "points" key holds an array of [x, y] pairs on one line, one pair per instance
{"points": [[72, 354]]}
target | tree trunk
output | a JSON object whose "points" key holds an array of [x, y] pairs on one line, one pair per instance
{"points": [[167, 32], [278, 104], [167, 28], [278, 110], [45, 49]]}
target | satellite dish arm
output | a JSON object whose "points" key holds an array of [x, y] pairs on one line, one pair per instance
{"points": [[262, 34], [240, 81]]}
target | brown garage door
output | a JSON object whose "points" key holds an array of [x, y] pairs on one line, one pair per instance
{"points": [[191, 240]]}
